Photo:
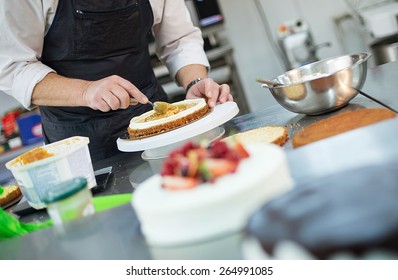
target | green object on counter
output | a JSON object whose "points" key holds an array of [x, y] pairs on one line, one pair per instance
{"points": [[102, 203], [11, 227], [65, 189]]}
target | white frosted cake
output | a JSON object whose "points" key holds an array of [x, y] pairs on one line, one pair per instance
{"points": [[178, 114], [183, 213]]}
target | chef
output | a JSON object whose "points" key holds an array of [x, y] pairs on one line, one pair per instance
{"points": [[81, 61]]}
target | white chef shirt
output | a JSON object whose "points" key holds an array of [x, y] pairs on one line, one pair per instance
{"points": [[23, 25]]}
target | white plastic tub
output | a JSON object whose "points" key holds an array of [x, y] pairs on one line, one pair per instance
{"points": [[70, 159]]}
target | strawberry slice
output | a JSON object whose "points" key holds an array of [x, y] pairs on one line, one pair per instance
{"points": [[241, 150], [213, 168], [179, 183]]}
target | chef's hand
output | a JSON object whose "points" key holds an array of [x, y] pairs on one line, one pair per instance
{"points": [[111, 93], [207, 88]]}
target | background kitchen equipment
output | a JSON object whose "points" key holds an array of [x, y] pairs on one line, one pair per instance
{"points": [[297, 44], [378, 19], [385, 50], [321, 86]]}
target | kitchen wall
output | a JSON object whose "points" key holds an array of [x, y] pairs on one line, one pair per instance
{"points": [[254, 54]]}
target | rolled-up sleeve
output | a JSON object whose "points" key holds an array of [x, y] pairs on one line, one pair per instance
{"points": [[23, 25], [178, 41]]}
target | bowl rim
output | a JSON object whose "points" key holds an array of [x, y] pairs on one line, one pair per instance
{"points": [[364, 56]]}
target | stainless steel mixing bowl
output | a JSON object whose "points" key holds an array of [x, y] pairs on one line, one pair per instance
{"points": [[322, 86]]}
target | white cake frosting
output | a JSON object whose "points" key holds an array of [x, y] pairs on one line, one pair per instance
{"points": [[212, 209], [139, 123]]}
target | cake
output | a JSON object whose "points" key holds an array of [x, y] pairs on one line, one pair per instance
{"points": [[178, 114], [216, 199], [10, 194], [267, 134], [340, 123]]}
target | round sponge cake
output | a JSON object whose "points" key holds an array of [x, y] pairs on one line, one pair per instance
{"points": [[339, 124], [212, 209], [179, 114]]}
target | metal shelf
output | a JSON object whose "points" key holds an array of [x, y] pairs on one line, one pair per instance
{"points": [[222, 70]]}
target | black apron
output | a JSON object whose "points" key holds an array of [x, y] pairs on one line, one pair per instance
{"points": [[91, 40]]}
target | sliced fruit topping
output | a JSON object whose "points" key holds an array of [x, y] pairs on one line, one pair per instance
{"points": [[220, 149], [212, 168], [241, 150], [193, 164], [179, 183]]}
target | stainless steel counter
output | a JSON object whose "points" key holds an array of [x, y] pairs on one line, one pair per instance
{"points": [[115, 234]]}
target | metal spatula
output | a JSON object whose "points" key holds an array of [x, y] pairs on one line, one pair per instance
{"points": [[159, 106]]}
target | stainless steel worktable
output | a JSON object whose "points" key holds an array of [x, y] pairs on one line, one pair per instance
{"points": [[115, 234]]}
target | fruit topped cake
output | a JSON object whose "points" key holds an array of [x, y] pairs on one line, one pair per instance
{"points": [[176, 115], [205, 192]]}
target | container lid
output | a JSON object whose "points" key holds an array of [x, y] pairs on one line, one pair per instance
{"points": [[65, 189]]}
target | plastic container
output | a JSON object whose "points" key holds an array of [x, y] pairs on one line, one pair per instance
{"points": [[69, 200], [69, 158], [156, 156], [30, 128]]}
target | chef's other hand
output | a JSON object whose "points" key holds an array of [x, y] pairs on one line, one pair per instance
{"points": [[210, 90], [111, 93]]}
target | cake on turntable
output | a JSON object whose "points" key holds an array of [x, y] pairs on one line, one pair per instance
{"points": [[177, 114], [220, 114]]}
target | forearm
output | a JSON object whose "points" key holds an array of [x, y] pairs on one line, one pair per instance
{"points": [[189, 73], [55, 90], [109, 93]]}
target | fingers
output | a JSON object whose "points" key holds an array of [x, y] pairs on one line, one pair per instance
{"points": [[112, 93], [131, 89], [120, 98], [225, 94], [213, 92], [117, 99]]}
